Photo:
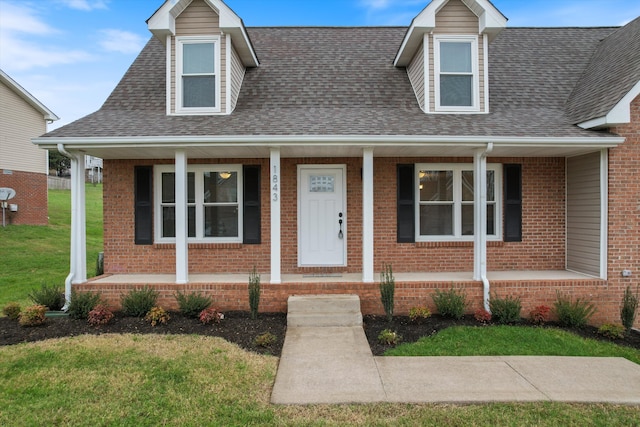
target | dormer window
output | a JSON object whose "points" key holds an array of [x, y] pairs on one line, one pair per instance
{"points": [[456, 73], [198, 68]]}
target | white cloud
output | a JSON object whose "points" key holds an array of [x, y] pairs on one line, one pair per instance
{"points": [[86, 5], [21, 19], [121, 41]]}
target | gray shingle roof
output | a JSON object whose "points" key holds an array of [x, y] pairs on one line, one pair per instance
{"points": [[341, 81], [611, 73]]}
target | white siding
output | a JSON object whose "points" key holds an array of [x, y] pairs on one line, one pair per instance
{"points": [[19, 122], [415, 70], [237, 76], [583, 214]]}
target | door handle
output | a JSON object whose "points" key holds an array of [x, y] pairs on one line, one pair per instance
{"points": [[340, 233]]}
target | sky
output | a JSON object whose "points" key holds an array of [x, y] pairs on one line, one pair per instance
{"points": [[70, 54]]}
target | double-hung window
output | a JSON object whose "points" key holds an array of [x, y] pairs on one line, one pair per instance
{"points": [[214, 211], [456, 73], [198, 75], [445, 202]]}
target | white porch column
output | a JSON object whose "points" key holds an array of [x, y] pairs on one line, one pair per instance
{"points": [[182, 248], [480, 215], [274, 185], [78, 221], [367, 215]]}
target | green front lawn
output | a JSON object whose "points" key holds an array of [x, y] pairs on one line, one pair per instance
{"points": [[511, 341], [33, 255]]}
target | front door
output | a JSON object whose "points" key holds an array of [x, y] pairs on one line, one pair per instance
{"points": [[322, 221]]}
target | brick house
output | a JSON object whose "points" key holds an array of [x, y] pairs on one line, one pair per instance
{"points": [[457, 150], [23, 167]]}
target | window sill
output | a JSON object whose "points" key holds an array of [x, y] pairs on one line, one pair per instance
{"points": [[490, 244], [163, 246]]}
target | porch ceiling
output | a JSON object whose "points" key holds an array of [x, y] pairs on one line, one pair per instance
{"points": [[309, 146]]}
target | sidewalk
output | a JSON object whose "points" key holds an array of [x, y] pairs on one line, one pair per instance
{"points": [[335, 365]]}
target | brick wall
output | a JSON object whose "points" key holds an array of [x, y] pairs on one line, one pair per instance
{"points": [[31, 197]]}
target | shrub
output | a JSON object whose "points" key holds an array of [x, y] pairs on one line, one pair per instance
{"points": [[138, 302], [265, 340], [615, 331], [451, 303], [99, 315], [629, 308], [573, 313], [51, 297], [482, 316], [82, 303], [33, 315], [157, 315], [254, 293], [210, 315], [387, 291], [540, 314], [505, 310], [191, 305], [417, 313], [389, 337], [12, 310]]}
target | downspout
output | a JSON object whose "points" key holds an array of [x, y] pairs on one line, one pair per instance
{"points": [[68, 280], [486, 286]]}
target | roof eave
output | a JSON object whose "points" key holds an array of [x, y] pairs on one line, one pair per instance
{"points": [[620, 114], [30, 99]]}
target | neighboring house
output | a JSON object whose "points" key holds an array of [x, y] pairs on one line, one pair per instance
{"points": [[23, 166], [459, 151]]}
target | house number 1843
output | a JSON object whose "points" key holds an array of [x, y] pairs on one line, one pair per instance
{"points": [[274, 185]]}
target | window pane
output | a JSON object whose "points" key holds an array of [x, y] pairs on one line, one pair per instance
{"points": [[191, 187], [436, 220], [491, 220], [220, 187], [467, 220], [455, 57], [491, 192], [467, 186], [198, 58], [168, 188], [456, 91], [199, 91], [168, 221], [221, 221], [191, 221], [436, 186], [321, 183]]}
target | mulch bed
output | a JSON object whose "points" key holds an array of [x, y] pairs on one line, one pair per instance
{"points": [[239, 328]]}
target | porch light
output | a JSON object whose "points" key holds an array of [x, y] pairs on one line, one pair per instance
{"points": [[224, 175]]}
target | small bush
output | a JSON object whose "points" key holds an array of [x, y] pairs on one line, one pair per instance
{"points": [[482, 316], [505, 310], [157, 315], [210, 315], [138, 302], [573, 313], [418, 313], [387, 291], [629, 308], [265, 340], [614, 331], [389, 337], [254, 293], [540, 314], [451, 303], [191, 305], [12, 310], [99, 315], [33, 315], [51, 297], [82, 303]]}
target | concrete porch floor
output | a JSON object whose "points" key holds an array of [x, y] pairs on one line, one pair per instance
{"points": [[346, 277]]}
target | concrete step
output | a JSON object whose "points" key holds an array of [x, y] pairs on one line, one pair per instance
{"points": [[324, 310]]}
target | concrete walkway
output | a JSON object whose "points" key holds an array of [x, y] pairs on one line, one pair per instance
{"points": [[335, 365]]}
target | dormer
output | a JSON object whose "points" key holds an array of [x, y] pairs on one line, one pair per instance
{"points": [[445, 52], [208, 51]]}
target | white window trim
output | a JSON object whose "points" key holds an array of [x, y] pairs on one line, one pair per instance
{"points": [[475, 91], [457, 169], [180, 42], [199, 170]]}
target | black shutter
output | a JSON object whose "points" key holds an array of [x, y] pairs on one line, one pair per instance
{"points": [[143, 194], [406, 209], [512, 203], [251, 205]]}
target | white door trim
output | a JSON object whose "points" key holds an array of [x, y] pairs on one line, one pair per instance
{"points": [[345, 220]]}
